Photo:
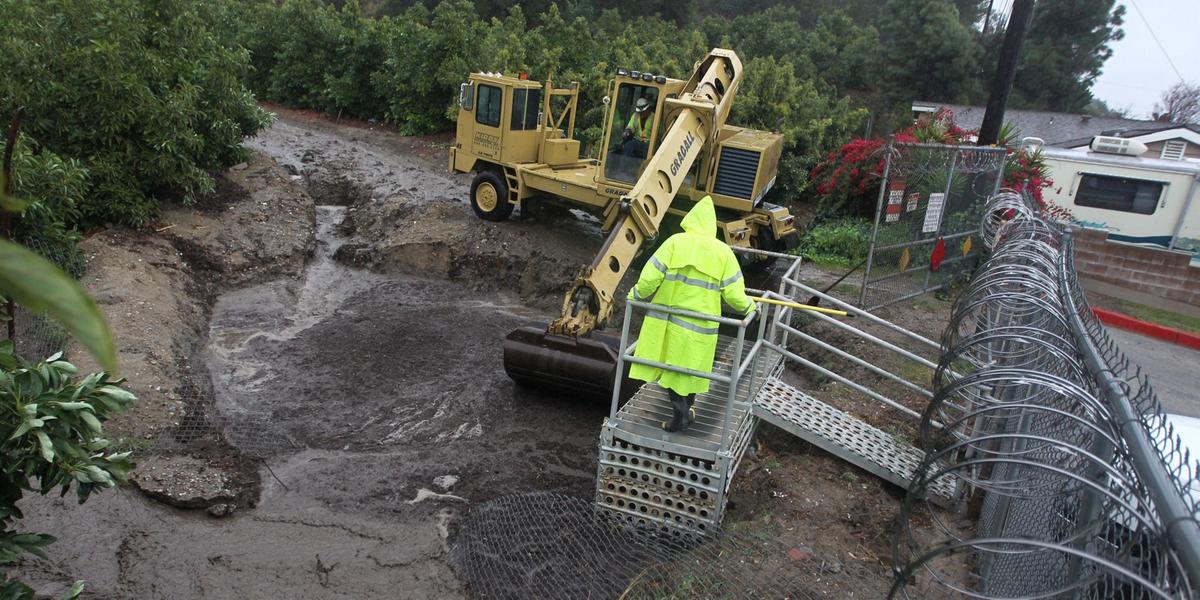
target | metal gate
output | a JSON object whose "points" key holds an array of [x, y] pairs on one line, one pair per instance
{"points": [[926, 218]]}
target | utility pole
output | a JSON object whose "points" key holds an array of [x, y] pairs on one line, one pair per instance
{"points": [[987, 20], [1006, 71]]}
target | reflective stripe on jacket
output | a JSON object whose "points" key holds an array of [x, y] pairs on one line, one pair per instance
{"points": [[642, 133], [692, 271]]}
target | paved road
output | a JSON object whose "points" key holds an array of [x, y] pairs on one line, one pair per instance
{"points": [[1173, 369]]}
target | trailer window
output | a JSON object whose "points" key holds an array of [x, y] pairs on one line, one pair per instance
{"points": [[526, 104], [488, 110], [1119, 193]]}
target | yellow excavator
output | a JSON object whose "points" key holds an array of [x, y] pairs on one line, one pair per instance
{"points": [[666, 144]]}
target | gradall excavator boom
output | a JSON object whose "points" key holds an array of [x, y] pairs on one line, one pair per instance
{"points": [[690, 123]]}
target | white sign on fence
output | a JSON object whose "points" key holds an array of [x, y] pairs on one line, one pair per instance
{"points": [[895, 198], [933, 212]]}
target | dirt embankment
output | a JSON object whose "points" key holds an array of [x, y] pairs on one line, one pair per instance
{"points": [[358, 392], [408, 215], [156, 287], [376, 400]]}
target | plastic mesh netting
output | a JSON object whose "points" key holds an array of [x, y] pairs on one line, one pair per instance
{"points": [[545, 545]]}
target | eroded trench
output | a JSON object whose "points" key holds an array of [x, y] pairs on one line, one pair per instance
{"points": [[368, 398], [375, 399]]}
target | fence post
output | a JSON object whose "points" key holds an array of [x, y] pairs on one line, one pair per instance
{"points": [[6, 219], [883, 185], [1181, 528]]}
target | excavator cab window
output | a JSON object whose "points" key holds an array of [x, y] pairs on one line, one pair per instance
{"points": [[488, 111], [527, 105], [630, 138]]}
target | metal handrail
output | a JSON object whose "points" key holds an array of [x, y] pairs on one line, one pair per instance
{"points": [[688, 313], [782, 324], [858, 312], [738, 364]]}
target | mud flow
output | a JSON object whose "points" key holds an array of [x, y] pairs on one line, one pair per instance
{"points": [[371, 389]]}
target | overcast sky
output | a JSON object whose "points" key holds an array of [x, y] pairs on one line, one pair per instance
{"points": [[1138, 71]]}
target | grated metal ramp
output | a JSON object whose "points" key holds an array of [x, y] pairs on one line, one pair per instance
{"points": [[845, 436]]}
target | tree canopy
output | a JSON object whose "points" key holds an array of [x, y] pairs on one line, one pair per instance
{"points": [[1067, 45], [1180, 103], [927, 53]]}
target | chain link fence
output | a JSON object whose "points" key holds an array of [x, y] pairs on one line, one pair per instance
{"points": [[35, 336], [548, 546], [204, 428], [927, 218], [1080, 487]]}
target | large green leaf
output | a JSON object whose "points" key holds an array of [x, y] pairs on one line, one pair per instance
{"points": [[38, 285]]}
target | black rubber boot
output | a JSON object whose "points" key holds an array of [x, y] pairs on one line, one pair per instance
{"points": [[682, 412]]}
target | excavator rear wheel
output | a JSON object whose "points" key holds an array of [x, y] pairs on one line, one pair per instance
{"points": [[489, 196]]}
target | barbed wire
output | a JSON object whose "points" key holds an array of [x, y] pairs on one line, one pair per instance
{"points": [[1064, 500]]}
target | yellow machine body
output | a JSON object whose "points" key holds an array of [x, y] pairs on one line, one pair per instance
{"points": [[517, 136]]}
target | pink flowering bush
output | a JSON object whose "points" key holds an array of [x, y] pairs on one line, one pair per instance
{"points": [[1026, 171], [847, 181]]}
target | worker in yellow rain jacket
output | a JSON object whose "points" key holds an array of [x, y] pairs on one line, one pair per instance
{"points": [[693, 271]]}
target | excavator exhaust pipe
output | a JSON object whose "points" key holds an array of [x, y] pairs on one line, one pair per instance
{"points": [[577, 366]]}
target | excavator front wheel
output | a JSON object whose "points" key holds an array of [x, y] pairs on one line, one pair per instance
{"points": [[489, 196]]}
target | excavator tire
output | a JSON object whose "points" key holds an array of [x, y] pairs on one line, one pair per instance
{"points": [[489, 196]]}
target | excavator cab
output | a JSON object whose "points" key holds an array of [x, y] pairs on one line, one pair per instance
{"points": [[631, 133], [630, 136]]}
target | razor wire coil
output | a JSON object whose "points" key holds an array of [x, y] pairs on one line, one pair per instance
{"points": [[1063, 502]]}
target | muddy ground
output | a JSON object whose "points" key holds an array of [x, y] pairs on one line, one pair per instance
{"points": [[316, 350]]}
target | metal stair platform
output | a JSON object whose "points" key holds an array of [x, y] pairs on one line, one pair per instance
{"points": [[643, 414], [678, 481], [845, 437]]}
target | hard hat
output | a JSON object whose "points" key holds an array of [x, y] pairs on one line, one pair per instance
{"points": [[641, 105]]}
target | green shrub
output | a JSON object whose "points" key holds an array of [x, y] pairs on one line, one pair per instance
{"points": [[839, 243], [408, 66], [51, 425], [143, 95], [53, 188]]}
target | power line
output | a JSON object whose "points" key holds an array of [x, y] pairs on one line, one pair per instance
{"points": [[1155, 36]]}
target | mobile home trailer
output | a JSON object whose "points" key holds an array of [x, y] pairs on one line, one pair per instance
{"points": [[1144, 201]]}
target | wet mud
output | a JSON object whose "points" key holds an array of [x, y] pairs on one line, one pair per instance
{"points": [[370, 394], [360, 381]]}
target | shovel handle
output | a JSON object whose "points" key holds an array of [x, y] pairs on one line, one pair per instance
{"points": [[820, 309]]}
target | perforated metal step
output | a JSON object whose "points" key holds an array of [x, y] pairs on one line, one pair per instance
{"points": [[844, 436]]}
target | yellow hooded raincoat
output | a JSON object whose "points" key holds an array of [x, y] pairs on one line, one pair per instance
{"points": [[693, 271]]}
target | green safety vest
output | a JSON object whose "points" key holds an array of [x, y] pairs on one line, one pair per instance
{"points": [[642, 133], [693, 271]]}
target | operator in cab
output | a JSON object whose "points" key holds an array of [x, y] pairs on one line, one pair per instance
{"points": [[636, 137], [693, 271]]}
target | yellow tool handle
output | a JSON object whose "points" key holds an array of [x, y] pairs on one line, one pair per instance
{"points": [[820, 309]]}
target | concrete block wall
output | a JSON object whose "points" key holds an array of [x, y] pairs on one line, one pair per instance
{"points": [[1159, 273]]}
